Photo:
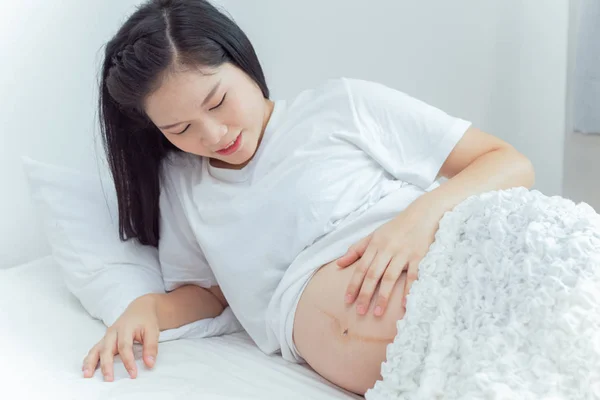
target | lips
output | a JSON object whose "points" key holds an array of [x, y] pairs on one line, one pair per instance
{"points": [[228, 145], [231, 147]]}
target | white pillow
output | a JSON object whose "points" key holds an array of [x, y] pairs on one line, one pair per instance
{"points": [[80, 218]]}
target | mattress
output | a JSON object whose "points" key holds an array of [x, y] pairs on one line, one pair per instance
{"points": [[45, 334]]}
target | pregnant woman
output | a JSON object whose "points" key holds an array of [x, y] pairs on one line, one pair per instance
{"points": [[307, 216]]}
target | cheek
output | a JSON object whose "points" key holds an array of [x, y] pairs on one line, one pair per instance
{"points": [[185, 143], [244, 113]]}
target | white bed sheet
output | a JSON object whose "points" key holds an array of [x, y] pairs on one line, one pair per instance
{"points": [[45, 333]]}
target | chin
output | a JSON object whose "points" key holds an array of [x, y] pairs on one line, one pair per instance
{"points": [[246, 154], [243, 155], [237, 160]]}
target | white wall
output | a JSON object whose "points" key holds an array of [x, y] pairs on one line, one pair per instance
{"points": [[582, 152], [47, 101], [501, 64]]}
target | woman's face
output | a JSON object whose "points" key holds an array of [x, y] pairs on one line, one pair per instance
{"points": [[218, 113]]}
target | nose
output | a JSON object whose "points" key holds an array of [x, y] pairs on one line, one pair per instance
{"points": [[212, 133]]}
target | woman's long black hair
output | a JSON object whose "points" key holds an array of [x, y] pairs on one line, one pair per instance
{"points": [[160, 37]]}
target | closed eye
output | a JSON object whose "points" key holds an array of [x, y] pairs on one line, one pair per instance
{"points": [[186, 128], [215, 107], [219, 105]]}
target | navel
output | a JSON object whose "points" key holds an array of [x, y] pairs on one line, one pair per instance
{"points": [[347, 335]]}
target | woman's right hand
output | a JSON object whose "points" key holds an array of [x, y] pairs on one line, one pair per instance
{"points": [[138, 323]]}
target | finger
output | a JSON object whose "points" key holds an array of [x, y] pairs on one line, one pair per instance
{"points": [[388, 282], [90, 362], [372, 278], [355, 252], [411, 276], [150, 342], [125, 347], [358, 275], [107, 356]]}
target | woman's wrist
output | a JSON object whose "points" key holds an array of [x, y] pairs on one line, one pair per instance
{"points": [[158, 303], [184, 305], [425, 210], [149, 300], [163, 308]]}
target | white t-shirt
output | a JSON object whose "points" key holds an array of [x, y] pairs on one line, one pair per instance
{"points": [[335, 163]]}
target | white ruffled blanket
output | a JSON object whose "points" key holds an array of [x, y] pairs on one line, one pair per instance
{"points": [[506, 306]]}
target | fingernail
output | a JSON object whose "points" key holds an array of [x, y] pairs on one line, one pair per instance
{"points": [[131, 372], [151, 359], [86, 371], [404, 302], [360, 309], [378, 310], [348, 298]]}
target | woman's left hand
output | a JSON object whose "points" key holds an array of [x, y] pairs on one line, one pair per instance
{"points": [[382, 256]]}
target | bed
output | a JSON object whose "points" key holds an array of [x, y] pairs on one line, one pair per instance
{"points": [[45, 334]]}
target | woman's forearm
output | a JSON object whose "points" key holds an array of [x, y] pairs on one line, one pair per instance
{"points": [[500, 169], [185, 305]]}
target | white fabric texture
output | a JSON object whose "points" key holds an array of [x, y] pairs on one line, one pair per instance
{"points": [[45, 334], [335, 162], [80, 217], [586, 107], [507, 305]]}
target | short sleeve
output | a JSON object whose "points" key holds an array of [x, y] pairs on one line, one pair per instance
{"points": [[406, 136], [181, 259]]}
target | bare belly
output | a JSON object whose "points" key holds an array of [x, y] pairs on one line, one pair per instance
{"points": [[342, 346]]}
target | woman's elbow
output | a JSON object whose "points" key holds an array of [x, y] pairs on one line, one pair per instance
{"points": [[527, 172]]}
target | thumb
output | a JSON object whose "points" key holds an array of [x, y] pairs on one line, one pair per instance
{"points": [[150, 346], [355, 252]]}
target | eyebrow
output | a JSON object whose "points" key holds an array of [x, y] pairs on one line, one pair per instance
{"points": [[208, 97]]}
